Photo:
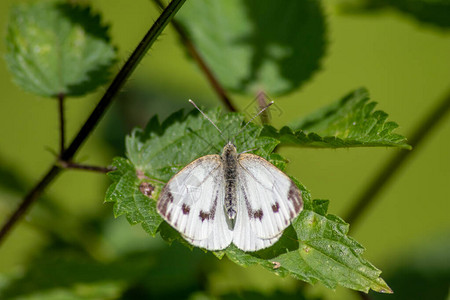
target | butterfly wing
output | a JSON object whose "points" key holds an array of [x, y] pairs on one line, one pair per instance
{"points": [[267, 202], [193, 203]]}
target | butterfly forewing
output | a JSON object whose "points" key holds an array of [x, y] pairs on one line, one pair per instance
{"points": [[267, 202], [193, 203]]}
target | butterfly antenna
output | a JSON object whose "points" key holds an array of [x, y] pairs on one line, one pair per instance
{"points": [[195, 105], [260, 112]]}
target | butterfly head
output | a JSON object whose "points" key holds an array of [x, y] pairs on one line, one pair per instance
{"points": [[229, 150]]}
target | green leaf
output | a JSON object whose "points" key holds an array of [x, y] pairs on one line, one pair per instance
{"points": [[161, 150], [315, 248], [58, 48], [328, 255], [434, 12], [349, 122], [128, 197], [247, 52]]}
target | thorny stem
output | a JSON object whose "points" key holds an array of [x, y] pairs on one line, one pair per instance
{"points": [[201, 62], [374, 188], [96, 114], [62, 139]]}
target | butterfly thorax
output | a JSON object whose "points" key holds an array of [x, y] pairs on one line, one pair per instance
{"points": [[230, 160]]}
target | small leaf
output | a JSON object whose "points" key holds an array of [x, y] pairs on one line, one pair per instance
{"points": [[349, 122], [258, 45], [58, 48]]}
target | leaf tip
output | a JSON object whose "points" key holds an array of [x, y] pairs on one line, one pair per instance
{"points": [[382, 287]]}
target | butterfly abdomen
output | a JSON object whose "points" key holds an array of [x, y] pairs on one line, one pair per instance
{"points": [[229, 158]]}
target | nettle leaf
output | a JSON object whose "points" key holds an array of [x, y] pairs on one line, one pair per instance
{"points": [[130, 198], [162, 149], [246, 52], [58, 48], [328, 255], [434, 12], [314, 248], [349, 122]]}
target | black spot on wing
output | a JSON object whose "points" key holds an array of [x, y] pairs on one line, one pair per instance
{"points": [[185, 209], [275, 207], [165, 198], [212, 210], [258, 214], [252, 214], [295, 196], [247, 203], [204, 215]]}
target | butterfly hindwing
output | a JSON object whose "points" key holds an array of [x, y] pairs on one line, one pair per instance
{"points": [[267, 202], [193, 203], [244, 235]]}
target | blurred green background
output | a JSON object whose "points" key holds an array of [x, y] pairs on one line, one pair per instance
{"points": [[404, 64]]}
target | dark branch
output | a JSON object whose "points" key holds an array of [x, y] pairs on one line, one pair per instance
{"points": [[97, 113], [76, 166], [374, 188], [201, 62], [62, 139], [122, 76]]}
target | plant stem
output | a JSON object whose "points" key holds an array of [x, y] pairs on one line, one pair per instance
{"points": [[96, 114], [374, 188], [201, 62], [62, 139], [28, 200], [76, 166], [262, 98], [122, 76]]}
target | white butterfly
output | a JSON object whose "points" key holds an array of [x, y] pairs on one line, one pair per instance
{"points": [[234, 198]]}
